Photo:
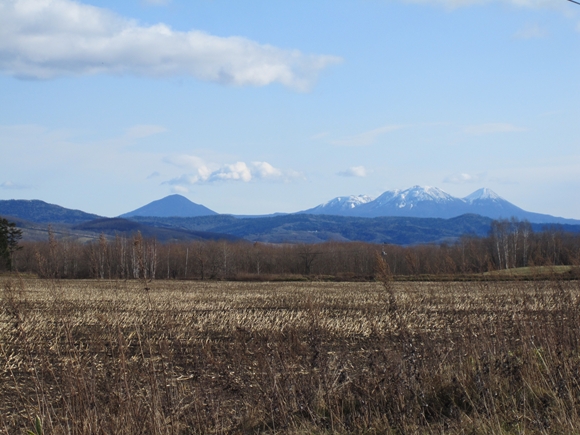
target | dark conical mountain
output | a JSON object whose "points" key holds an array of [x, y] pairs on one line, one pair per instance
{"points": [[171, 206]]}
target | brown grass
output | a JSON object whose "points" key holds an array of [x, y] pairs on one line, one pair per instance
{"points": [[108, 357]]}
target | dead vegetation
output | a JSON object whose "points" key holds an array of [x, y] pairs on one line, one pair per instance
{"points": [[108, 357]]}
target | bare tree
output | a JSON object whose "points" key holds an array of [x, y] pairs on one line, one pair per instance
{"points": [[308, 255]]}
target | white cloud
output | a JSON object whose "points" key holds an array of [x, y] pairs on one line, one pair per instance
{"points": [[366, 138], [201, 172], [266, 170], [354, 171], [153, 175], [236, 171], [464, 178], [43, 39], [492, 128]]}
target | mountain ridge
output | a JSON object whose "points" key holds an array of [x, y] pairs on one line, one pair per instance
{"points": [[433, 202], [307, 228], [415, 215], [35, 210]]}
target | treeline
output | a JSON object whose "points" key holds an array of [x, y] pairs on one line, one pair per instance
{"points": [[510, 244]]}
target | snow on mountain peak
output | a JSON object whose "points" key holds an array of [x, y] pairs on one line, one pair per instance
{"points": [[483, 193], [426, 193], [342, 205], [351, 201], [386, 197], [427, 202]]}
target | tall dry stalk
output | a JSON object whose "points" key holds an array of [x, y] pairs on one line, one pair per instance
{"points": [[385, 277], [290, 358]]}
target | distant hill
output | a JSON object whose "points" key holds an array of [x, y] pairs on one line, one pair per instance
{"points": [[42, 212], [111, 227], [125, 227], [305, 228], [171, 206]]}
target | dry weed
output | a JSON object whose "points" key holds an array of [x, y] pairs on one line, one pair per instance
{"points": [[108, 357]]}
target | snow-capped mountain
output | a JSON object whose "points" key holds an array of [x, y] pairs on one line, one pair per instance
{"points": [[486, 202], [417, 202], [386, 197], [340, 206], [483, 194], [432, 202]]}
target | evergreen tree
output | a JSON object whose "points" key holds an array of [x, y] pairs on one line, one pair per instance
{"points": [[9, 237]]}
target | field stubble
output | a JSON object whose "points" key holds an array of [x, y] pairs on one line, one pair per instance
{"points": [[108, 357]]}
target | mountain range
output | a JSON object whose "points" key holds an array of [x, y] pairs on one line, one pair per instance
{"points": [[415, 215], [431, 202]]}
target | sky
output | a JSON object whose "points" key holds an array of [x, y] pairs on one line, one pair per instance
{"points": [[265, 106]]}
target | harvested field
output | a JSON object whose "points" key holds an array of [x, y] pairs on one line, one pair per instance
{"points": [[188, 357]]}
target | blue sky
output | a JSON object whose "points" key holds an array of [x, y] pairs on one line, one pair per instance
{"points": [[266, 106]]}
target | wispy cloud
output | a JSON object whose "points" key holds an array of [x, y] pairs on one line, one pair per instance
{"points": [[354, 171], [366, 138], [153, 175], [532, 31], [141, 131], [319, 135], [46, 39], [492, 128], [10, 185], [179, 189], [198, 170], [464, 178], [185, 161]]}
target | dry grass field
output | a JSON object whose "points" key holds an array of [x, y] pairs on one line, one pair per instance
{"points": [[109, 357]]}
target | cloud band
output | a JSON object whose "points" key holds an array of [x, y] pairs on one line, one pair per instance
{"points": [[43, 39]]}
